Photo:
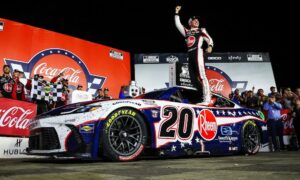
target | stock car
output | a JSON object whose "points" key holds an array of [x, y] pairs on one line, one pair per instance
{"points": [[166, 122]]}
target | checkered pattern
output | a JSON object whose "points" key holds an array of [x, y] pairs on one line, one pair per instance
{"points": [[46, 91]]}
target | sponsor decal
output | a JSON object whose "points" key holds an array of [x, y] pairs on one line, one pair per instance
{"points": [[254, 57], [232, 58], [233, 148], [133, 156], [87, 128], [227, 139], [149, 102], [191, 41], [172, 59], [150, 59], [116, 55], [70, 120], [264, 128], [154, 113], [226, 131], [1, 26], [207, 125], [128, 112], [45, 63], [214, 58], [130, 102]]}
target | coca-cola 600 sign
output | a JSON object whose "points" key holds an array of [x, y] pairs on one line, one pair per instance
{"points": [[15, 116]]}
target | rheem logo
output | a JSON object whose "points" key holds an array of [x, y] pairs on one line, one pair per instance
{"points": [[207, 125]]}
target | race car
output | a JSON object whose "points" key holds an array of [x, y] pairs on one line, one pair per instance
{"points": [[165, 122]]}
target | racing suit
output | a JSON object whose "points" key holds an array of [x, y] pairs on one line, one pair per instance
{"points": [[194, 39]]}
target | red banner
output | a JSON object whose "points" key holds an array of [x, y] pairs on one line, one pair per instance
{"points": [[287, 119], [15, 116], [38, 51]]}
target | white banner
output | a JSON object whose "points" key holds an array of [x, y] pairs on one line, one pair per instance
{"points": [[13, 147]]}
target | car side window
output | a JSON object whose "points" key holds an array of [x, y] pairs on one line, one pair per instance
{"points": [[222, 102], [176, 97]]}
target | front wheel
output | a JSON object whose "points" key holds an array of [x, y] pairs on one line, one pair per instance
{"points": [[250, 138], [124, 135]]}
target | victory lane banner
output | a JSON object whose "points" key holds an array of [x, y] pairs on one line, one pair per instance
{"points": [[34, 50], [225, 71]]}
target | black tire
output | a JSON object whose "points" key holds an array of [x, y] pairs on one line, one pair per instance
{"points": [[124, 135], [251, 138]]}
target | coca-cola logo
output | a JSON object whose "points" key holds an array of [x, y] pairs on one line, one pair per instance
{"points": [[207, 125], [191, 41], [49, 68], [219, 82], [15, 117], [51, 62]]}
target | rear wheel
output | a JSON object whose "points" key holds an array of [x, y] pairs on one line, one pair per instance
{"points": [[124, 135], [250, 138]]}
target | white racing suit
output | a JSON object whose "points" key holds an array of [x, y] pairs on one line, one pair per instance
{"points": [[194, 39]]}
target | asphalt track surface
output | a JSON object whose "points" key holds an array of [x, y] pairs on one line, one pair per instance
{"points": [[283, 165]]}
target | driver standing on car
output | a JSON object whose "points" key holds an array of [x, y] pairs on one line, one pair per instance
{"points": [[194, 39]]}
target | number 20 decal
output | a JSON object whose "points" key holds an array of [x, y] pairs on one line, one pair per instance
{"points": [[172, 117]]}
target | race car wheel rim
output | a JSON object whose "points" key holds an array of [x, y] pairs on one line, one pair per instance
{"points": [[125, 135], [251, 138]]}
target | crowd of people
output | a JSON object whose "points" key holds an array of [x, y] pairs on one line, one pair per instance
{"points": [[11, 87], [272, 104]]}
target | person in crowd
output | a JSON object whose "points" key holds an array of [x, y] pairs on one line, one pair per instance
{"points": [[65, 90], [275, 125], [123, 91], [79, 87], [296, 120], [297, 92], [261, 98], [236, 97], [251, 100], [99, 94], [288, 98], [5, 82], [106, 95], [273, 91], [195, 36], [18, 92]]}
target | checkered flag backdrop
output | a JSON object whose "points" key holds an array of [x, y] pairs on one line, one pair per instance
{"points": [[44, 90]]}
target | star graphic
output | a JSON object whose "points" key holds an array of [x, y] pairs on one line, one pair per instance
{"points": [[223, 112], [190, 143], [182, 145], [197, 140], [239, 112], [161, 152], [173, 148], [218, 112]]}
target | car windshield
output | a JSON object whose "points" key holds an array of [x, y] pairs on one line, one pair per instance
{"points": [[151, 95]]}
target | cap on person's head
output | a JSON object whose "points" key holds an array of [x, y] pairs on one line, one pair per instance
{"points": [[17, 70], [79, 86], [193, 18], [100, 89]]}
